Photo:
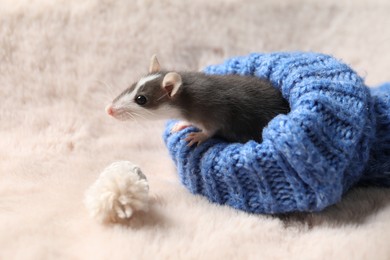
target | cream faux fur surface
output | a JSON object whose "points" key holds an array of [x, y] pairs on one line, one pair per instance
{"points": [[61, 62]]}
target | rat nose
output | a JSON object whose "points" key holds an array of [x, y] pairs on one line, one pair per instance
{"points": [[110, 110]]}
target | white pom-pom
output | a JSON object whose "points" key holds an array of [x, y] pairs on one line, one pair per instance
{"points": [[120, 190]]}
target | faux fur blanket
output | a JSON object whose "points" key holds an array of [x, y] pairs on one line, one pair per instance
{"points": [[61, 62]]}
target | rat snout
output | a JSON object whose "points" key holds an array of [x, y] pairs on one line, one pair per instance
{"points": [[117, 112], [110, 110]]}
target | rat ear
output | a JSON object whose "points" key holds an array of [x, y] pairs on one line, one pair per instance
{"points": [[171, 83], [154, 66]]}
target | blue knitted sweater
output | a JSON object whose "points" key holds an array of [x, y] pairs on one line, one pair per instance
{"points": [[337, 134]]}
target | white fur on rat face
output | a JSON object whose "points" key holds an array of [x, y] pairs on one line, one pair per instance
{"points": [[145, 99], [234, 107]]}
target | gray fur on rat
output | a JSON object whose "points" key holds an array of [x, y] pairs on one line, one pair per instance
{"points": [[233, 107]]}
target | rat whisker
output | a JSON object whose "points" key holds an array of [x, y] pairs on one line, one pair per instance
{"points": [[103, 94], [139, 115], [132, 116], [104, 83], [108, 88], [149, 112], [166, 94]]}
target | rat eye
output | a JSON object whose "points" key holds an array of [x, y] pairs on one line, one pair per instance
{"points": [[140, 100]]}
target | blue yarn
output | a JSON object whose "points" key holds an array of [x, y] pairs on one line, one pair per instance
{"points": [[308, 158], [377, 171]]}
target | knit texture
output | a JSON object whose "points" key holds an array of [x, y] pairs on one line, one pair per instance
{"points": [[377, 171], [308, 158]]}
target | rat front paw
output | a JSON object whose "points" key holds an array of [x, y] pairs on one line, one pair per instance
{"points": [[196, 138], [180, 126]]}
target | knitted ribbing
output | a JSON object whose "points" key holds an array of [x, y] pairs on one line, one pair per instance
{"points": [[307, 159], [377, 171]]}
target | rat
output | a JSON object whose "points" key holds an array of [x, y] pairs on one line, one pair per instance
{"points": [[233, 107]]}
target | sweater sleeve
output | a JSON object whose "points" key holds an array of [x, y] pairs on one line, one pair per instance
{"points": [[308, 158]]}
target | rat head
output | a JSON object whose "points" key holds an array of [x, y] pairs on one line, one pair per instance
{"points": [[150, 97]]}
